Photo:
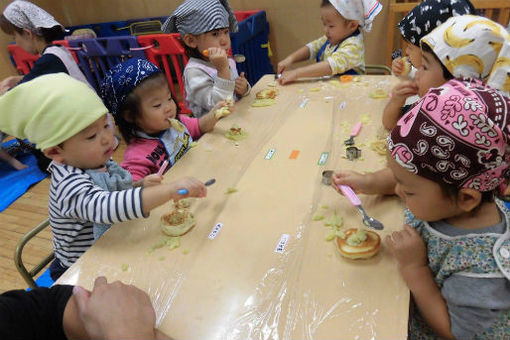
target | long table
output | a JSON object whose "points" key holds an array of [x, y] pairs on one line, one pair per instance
{"points": [[257, 265]]}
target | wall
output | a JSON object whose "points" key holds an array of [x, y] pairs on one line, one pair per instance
{"points": [[292, 22]]}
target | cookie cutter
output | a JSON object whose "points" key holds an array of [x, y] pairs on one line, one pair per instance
{"points": [[326, 177], [353, 153]]}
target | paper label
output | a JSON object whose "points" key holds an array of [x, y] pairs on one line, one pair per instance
{"points": [[270, 154], [280, 247], [342, 105], [323, 159], [303, 103], [215, 231]]}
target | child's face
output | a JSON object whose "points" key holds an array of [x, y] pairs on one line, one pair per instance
{"points": [[90, 148], [335, 26], [219, 38], [414, 53], [430, 74], [157, 107], [422, 196]]}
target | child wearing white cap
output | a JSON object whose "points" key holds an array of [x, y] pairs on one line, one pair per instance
{"points": [[67, 121], [340, 50]]}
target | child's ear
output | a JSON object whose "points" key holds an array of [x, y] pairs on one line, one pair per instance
{"points": [[54, 153], [190, 40], [468, 199], [352, 25]]}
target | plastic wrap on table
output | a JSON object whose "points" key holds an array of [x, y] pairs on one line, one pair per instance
{"points": [[267, 272]]}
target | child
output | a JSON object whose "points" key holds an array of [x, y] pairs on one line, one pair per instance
{"points": [[209, 77], [341, 49], [450, 157], [6, 157], [419, 22], [67, 121], [442, 61], [34, 30], [137, 94]]}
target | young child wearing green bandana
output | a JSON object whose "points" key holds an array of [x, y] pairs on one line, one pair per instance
{"points": [[68, 122]]}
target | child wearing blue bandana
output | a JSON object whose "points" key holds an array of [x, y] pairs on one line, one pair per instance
{"points": [[210, 76], [137, 94]]}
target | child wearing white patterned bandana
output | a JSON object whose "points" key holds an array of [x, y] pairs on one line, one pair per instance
{"points": [[210, 76]]}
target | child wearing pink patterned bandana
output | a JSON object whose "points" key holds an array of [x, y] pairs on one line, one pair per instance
{"points": [[450, 156]]}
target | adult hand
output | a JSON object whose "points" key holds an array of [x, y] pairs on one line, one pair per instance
{"points": [[115, 311], [241, 85]]}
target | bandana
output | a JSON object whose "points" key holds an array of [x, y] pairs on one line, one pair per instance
{"points": [[121, 79], [475, 47], [429, 14], [24, 14], [363, 11], [49, 109], [457, 134], [200, 16]]}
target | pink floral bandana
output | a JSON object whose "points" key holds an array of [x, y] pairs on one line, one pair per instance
{"points": [[457, 134]]}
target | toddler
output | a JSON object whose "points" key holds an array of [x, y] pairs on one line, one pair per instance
{"points": [[419, 22], [210, 76], [340, 50], [462, 52], [136, 92], [67, 121], [450, 158]]}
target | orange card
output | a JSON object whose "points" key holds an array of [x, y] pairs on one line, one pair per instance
{"points": [[294, 154]]}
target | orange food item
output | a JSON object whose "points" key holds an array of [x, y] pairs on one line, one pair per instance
{"points": [[267, 94], [205, 53], [363, 250], [346, 78]]}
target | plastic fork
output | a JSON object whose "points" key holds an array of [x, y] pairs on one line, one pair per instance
{"points": [[354, 133], [185, 191], [354, 199]]}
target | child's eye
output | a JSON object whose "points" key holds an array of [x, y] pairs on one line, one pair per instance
{"points": [[106, 126], [91, 137], [156, 106], [408, 193]]}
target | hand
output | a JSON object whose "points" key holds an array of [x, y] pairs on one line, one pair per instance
{"points": [[288, 77], [241, 86], [151, 180], [403, 90], [358, 182], [218, 57], [9, 83], [195, 188], [397, 66], [115, 311], [283, 65], [408, 248]]}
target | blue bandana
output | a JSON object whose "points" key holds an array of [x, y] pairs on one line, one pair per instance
{"points": [[122, 79], [429, 14]]}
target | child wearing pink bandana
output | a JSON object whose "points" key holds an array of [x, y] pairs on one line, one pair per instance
{"points": [[450, 156]]}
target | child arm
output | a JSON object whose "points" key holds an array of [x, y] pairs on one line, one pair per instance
{"points": [[399, 94], [208, 121], [204, 91], [380, 182], [411, 254], [314, 70], [299, 55]]}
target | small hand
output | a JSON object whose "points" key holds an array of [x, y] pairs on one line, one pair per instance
{"points": [[241, 85], [397, 66], [288, 77], [194, 187], [358, 182], [151, 180], [403, 90], [283, 65], [219, 58], [408, 248]]}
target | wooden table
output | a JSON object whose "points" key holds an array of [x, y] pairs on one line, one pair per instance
{"points": [[235, 285]]}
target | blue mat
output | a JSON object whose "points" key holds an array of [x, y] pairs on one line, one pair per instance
{"points": [[14, 183]]}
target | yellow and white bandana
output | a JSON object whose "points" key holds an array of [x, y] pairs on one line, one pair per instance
{"points": [[475, 47]]}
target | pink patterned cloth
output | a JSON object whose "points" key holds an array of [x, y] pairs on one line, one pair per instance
{"points": [[458, 134]]}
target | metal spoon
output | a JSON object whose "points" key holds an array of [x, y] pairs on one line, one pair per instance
{"points": [[208, 183], [354, 199], [239, 58]]}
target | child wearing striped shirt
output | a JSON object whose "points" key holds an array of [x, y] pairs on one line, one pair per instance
{"points": [[210, 76], [68, 122], [340, 50]]}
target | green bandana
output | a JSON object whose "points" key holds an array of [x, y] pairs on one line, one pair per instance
{"points": [[49, 109]]}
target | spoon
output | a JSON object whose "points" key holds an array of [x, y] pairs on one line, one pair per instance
{"points": [[354, 199], [208, 183], [239, 58]]}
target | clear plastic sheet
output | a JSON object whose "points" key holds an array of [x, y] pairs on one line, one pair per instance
{"points": [[236, 286]]}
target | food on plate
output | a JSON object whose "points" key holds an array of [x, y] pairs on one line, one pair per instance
{"points": [[267, 94], [178, 222], [346, 78], [236, 133], [379, 94], [358, 243]]}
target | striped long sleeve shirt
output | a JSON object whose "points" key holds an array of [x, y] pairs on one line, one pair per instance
{"points": [[76, 203]]}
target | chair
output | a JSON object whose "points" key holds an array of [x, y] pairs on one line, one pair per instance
{"points": [[26, 274], [497, 10], [377, 69], [167, 52], [23, 60]]}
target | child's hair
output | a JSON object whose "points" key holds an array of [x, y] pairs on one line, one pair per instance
{"points": [[325, 3], [446, 74], [452, 192], [48, 34], [130, 108]]}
